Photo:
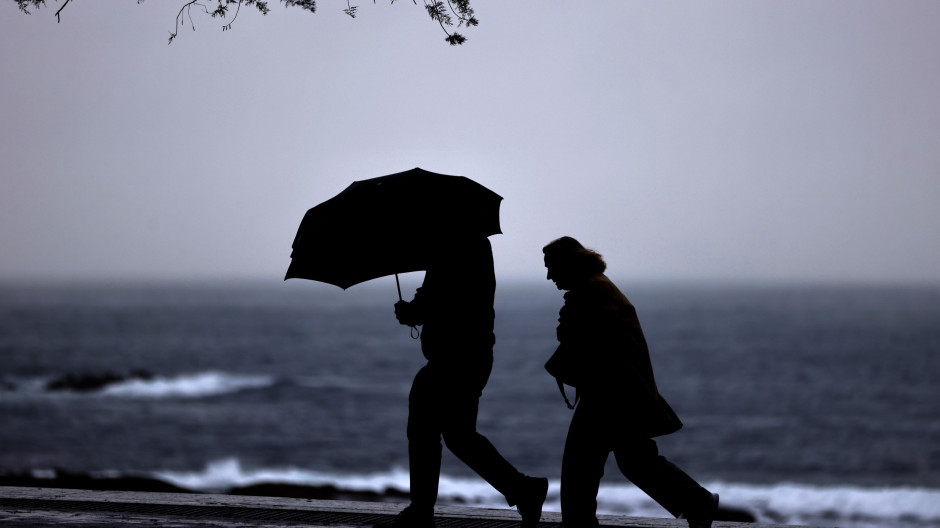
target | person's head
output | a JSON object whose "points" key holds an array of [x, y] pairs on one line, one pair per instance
{"points": [[569, 263]]}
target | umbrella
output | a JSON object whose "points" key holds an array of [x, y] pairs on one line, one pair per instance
{"points": [[387, 225]]}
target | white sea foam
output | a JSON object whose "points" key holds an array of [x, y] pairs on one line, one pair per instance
{"points": [[836, 505], [224, 474], [844, 506], [187, 386], [801, 504]]}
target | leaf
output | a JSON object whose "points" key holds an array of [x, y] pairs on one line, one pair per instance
{"points": [[456, 39]]}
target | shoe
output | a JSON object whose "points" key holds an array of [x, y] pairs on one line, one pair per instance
{"points": [[410, 517], [530, 502], [704, 518]]}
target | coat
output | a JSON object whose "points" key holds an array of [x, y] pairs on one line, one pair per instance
{"points": [[602, 351], [455, 305]]}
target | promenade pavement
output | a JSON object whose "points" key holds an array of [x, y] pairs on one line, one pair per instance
{"points": [[31, 507]]}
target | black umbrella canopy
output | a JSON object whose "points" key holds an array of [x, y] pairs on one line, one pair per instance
{"points": [[389, 225]]}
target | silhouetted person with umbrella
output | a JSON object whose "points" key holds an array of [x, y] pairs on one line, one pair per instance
{"points": [[454, 306], [603, 353]]}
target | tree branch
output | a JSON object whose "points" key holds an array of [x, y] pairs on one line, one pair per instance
{"points": [[58, 19], [443, 14], [179, 15], [238, 9]]}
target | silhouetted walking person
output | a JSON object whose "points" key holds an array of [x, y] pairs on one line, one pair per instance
{"points": [[603, 353], [455, 307]]}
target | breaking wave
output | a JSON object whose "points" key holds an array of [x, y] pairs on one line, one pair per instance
{"points": [[188, 385], [844, 506]]}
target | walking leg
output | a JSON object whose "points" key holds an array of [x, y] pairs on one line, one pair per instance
{"points": [[582, 467], [477, 452], [424, 443], [639, 460]]}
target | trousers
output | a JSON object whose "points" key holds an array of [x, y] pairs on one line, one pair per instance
{"points": [[443, 404], [594, 433]]}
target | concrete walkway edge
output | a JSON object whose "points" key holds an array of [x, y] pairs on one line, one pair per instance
{"points": [[38, 507]]}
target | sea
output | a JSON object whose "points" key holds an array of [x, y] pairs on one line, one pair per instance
{"points": [[811, 404]]}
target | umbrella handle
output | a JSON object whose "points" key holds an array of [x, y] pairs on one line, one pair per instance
{"points": [[415, 333]]}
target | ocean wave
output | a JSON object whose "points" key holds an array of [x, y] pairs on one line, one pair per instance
{"points": [[845, 506], [223, 475], [787, 503], [197, 385], [136, 384]]}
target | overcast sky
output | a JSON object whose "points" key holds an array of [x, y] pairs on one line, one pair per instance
{"points": [[774, 140]]}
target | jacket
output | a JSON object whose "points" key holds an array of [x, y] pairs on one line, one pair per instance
{"points": [[455, 305], [602, 351]]}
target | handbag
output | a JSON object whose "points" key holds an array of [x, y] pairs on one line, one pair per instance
{"points": [[562, 367]]}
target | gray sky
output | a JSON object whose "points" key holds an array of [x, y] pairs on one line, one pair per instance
{"points": [[795, 140]]}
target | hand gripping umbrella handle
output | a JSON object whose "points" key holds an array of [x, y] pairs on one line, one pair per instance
{"points": [[415, 333]]}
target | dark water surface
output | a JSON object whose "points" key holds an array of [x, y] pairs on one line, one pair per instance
{"points": [[814, 404]]}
